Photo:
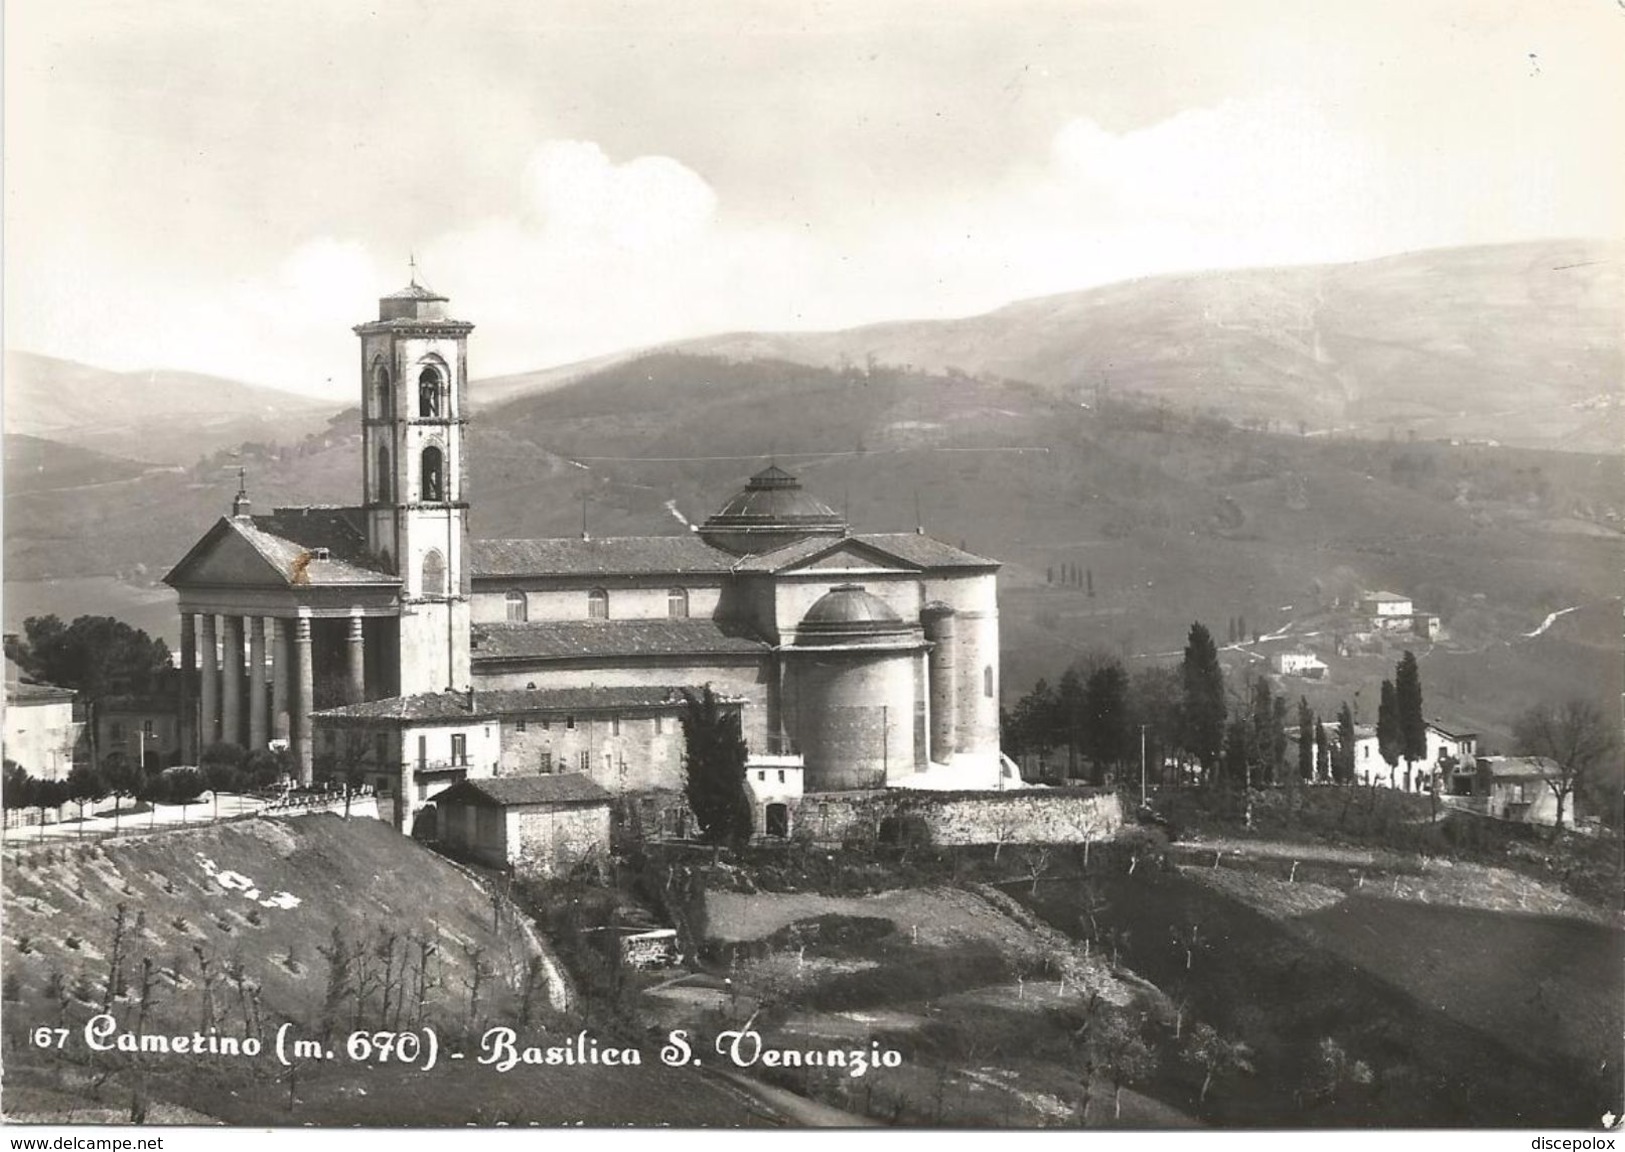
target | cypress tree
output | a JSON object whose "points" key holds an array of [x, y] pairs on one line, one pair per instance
{"points": [[715, 786], [1203, 700], [1323, 758], [1344, 764], [1413, 731], [1306, 747], [1388, 737]]}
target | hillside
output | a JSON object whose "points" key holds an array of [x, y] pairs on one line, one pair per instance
{"points": [[241, 923], [158, 416], [1176, 517], [1519, 343], [35, 465]]}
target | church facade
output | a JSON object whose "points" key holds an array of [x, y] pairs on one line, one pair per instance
{"points": [[382, 637]]}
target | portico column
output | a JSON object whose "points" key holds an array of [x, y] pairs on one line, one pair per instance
{"points": [[209, 702], [281, 654], [231, 677], [304, 702], [258, 729], [188, 719], [355, 651]]}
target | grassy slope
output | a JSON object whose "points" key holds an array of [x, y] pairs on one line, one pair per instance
{"points": [[357, 875], [1439, 1001]]}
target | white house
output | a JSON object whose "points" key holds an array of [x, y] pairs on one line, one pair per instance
{"points": [[1386, 604], [1298, 664]]}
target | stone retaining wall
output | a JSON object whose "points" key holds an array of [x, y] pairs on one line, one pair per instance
{"points": [[1035, 816]]}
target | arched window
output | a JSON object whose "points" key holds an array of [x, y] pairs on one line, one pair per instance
{"points": [[987, 680], [677, 603], [518, 608], [383, 485], [434, 573], [381, 395], [598, 604], [431, 392], [432, 488]]}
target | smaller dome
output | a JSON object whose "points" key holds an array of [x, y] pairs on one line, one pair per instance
{"points": [[848, 612]]}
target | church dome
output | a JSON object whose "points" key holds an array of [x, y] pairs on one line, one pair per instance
{"points": [[772, 510], [848, 612]]}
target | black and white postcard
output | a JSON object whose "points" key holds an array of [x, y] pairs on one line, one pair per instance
{"points": [[991, 564]]}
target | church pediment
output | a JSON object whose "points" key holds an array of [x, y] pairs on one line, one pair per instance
{"points": [[849, 555], [225, 557]]}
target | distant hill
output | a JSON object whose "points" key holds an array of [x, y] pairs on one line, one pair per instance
{"points": [[1516, 343], [34, 465], [158, 416]]}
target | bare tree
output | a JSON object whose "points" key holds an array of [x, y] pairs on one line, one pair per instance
{"points": [[1036, 858], [1187, 938], [1575, 736]]}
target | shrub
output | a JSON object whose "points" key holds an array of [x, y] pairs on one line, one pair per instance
{"points": [[72, 941], [25, 944]]}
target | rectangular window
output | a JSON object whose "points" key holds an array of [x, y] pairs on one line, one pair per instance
{"points": [[781, 775], [115, 732], [146, 729], [547, 763], [761, 775], [519, 726], [459, 749], [423, 754], [547, 725], [570, 722], [586, 760], [660, 725], [614, 725]]}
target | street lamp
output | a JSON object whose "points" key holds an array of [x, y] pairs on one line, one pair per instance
{"points": [[142, 737]]}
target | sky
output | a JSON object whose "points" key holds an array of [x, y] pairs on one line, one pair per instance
{"points": [[227, 187]]}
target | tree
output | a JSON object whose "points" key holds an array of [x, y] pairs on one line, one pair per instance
{"points": [[17, 789], [1306, 746], [1278, 740], [1154, 703], [1071, 704], [1263, 737], [1120, 1048], [46, 794], [124, 778], [1332, 1069], [1413, 728], [1215, 1055], [715, 769], [1343, 762], [181, 786], [1106, 718], [1203, 700], [95, 655], [1389, 741], [1574, 735], [85, 786], [1032, 723], [1323, 755]]}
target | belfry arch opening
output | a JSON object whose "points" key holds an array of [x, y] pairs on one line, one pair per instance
{"points": [[432, 479], [431, 392], [434, 573]]}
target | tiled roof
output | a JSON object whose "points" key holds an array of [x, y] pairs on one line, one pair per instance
{"points": [[607, 556], [593, 699], [560, 788], [912, 548], [414, 291], [289, 534], [926, 551], [428, 706], [1520, 767], [20, 693], [578, 639]]}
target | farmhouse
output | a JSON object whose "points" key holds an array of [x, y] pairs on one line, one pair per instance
{"points": [[382, 635], [1298, 663], [1520, 788], [40, 731], [541, 824]]}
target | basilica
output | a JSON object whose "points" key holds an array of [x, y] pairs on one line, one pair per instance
{"points": [[382, 637]]}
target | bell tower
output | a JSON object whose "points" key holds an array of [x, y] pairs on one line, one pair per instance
{"points": [[414, 365]]}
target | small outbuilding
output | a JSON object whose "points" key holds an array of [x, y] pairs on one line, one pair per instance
{"points": [[537, 825]]}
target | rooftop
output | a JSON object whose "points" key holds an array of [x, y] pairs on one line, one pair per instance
{"points": [[509, 791], [609, 556], [591, 639], [425, 707]]}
